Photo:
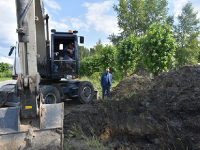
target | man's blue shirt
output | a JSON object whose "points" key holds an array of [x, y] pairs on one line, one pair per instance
{"points": [[65, 52], [106, 79]]}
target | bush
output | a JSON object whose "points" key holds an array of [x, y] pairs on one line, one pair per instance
{"points": [[89, 65], [6, 74], [158, 48], [4, 67], [108, 58], [128, 54]]}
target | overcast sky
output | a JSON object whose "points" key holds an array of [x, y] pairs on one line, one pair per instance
{"points": [[94, 19]]}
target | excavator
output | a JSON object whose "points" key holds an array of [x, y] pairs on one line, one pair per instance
{"points": [[32, 111]]}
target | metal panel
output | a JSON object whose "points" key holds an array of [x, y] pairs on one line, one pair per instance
{"points": [[52, 116], [40, 32], [31, 46], [9, 120], [43, 139]]}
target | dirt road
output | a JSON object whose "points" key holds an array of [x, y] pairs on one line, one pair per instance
{"points": [[7, 82]]}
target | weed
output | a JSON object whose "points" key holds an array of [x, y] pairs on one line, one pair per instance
{"points": [[76, 137], [67, 144], [130, 109], [128, 95], [73, 132], [94, 143], [101, 106], [180, 92]]}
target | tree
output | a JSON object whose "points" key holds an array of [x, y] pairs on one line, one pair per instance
{"points": [[158, 48], [83, 52], [4, 67], [186, 35], [130, 14], [108, 58], [170, 21], [135, 16], [128, 54], [155, 12], [97, 48], [115, 39]]}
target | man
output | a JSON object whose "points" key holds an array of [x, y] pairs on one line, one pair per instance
{"points": [[68, 52], [106, 82]]}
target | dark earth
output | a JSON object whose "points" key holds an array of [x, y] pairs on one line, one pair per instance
{"points": [[144, 114]]}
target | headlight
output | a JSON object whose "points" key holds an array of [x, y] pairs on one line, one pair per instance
{"points": [[69, 77]]}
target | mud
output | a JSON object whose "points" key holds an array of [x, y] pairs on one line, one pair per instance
{"points": [[144, 114]]}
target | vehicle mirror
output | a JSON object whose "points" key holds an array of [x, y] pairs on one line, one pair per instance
{"points": [[61, 47], [81, 39]]}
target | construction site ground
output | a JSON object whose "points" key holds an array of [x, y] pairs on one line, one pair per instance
{"points": [[143, 114]]}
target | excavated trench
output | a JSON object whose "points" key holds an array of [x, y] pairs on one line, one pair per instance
{"points": [[163, 113]]}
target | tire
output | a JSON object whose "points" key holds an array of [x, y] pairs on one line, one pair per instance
{"points": [[85, 92], [50, 94]]}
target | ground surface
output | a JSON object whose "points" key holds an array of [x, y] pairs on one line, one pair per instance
{"points": [[7, 82], [144, 114]]}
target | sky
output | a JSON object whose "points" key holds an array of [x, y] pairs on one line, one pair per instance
{"points": [[93, 19]]}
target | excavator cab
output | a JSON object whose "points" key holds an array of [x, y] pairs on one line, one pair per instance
{"points": [[64, 52]]}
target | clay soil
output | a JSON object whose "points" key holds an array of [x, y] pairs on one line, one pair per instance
{"points": [[143, 114]]}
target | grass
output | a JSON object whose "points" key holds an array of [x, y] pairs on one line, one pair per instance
{"points": [[5, 79], [97, 85], [76, 138]]}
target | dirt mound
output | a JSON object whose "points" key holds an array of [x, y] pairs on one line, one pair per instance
{"points": [[163, 114], [131, 85]]}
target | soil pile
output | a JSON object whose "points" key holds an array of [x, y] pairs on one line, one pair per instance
{"points": [[162, 114], [131, 85]]}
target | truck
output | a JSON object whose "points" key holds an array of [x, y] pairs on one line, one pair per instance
{"points": [[32, 111]]}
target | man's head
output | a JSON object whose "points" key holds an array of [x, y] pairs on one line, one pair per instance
{"points": [[70, 45], [107, 70]]}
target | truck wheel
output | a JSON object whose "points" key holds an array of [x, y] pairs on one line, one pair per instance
{"points": [[85, 92], [50, 94]]}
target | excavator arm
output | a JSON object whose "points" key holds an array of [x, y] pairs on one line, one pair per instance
{"points": [[25, 121]]}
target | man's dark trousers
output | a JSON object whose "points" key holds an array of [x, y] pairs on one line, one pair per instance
{"points": [[106, 88]]}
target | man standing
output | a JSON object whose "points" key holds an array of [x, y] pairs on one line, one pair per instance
{"points": [[106, 82]]}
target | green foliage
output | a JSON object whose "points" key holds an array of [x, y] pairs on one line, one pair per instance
{"points": [[89, 65], [170, 20], [186, 35], [130, 15], [97, 48], [158, 48], [6, 74], [128, 54], [5, 71], [4, 67], [135, 17], [95, 80], [83, 52], [115, 39], [189, 53], [155, 12], [108, 58]]}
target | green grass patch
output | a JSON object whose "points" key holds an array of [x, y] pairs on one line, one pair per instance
{"points": [[95, 80], [5, 79]]}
